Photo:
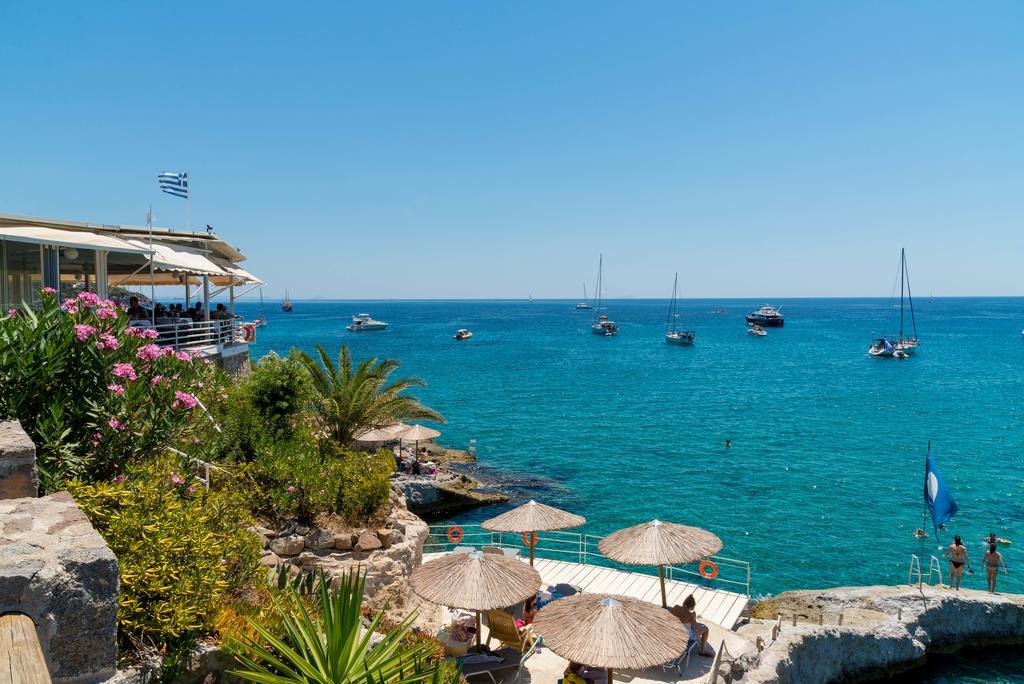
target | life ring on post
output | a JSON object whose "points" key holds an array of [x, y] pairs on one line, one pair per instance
{"points": [[530, 539], [455, 534], [708, 569], [249, 332]]}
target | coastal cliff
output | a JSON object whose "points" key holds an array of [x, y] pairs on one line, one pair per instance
{"points": [[884, 630]]}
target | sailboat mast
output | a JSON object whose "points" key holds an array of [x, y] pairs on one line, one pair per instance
{"points": [[910, 298], [584, 293], [903, 269], [671, 322]]}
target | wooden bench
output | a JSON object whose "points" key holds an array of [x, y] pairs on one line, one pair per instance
{"points": [[21, 657]]}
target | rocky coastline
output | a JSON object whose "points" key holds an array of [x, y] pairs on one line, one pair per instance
{"points": [[450, 491]]}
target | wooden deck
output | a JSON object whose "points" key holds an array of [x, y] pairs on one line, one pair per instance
{"points": [[720, 607]]}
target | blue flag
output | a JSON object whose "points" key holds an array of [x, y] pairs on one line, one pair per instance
{"points": [[937, 495]]}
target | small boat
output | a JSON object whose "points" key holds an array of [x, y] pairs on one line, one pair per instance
{"points": [[672, 334], [260, 320], [463, 334], [766, 317], [531, 299], [286, 303], [364, 322], [757, 330], [584, 305], [601, 324], [899, 347]]}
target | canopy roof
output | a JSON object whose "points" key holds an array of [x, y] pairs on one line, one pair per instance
{"points": [[70, 238], [608, 631], [475, 581], [533, 517], [168, 258], [660, 543]]}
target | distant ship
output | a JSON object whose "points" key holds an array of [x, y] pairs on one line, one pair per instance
{"points": [[672, 335], [601, 324], [286, 304], [766, 317], [584, 305], [899, 347], [364, 322]]}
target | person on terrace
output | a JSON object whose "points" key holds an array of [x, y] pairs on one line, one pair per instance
{"points": [[687, 614]]}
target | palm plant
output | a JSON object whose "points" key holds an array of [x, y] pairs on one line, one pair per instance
{"points": [[353, 399], [332, 646]]}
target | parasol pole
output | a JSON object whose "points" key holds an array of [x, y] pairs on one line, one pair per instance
{"points": [[478, 630], [661, 580], [533, 538]]}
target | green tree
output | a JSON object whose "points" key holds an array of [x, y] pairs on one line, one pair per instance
{"points": [[351, 399]]}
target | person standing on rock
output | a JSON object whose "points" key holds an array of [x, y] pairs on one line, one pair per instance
{"points": [[991, 562], [957, 553]]}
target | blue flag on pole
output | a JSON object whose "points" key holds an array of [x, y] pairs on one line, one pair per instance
{"points": [[937, 495]]}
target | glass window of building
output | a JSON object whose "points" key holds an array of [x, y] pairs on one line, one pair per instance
{"points": [[23, 273]]}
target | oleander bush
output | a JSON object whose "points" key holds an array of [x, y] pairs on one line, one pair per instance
{"points": [[94, 394], [182, 551]]}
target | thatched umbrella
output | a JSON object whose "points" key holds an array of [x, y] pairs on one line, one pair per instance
{"points": [[660, 543], [416, 433], [475, 581], [531, 518], [613, 632], [382, 434]]}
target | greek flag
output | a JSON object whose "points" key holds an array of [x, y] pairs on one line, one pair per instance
{"points": [[937, 496], [174, 183]]}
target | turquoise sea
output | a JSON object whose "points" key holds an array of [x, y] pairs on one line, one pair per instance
{"points": [[823, 483]]}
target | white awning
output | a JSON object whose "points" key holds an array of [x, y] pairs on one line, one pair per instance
{"points": [[238, 276], [168, 258], [80, 239]]}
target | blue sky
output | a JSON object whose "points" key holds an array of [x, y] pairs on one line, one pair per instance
{"points": [[474, 149]]}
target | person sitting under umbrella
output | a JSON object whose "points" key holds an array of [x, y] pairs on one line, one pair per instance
{"points": [[687, 614], [574, 675]]}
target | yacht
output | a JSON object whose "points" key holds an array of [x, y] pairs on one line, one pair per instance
{"points": [[756, 330], [286, 304], [766, 317], [584, 305], [260, 320], [463, 334], [673, 335], [601, 324], [363, 322], [899, 346]]}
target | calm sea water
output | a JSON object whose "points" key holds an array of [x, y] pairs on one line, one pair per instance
{"points": [[823, 483]]}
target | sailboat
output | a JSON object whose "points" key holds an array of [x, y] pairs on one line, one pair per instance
{"points": [[601, 325], [584, 305], [672, 334], [286, 304], [899, 347], [260, 320]]}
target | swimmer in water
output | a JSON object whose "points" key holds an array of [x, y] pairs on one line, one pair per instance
{"points": [[920, 534], [728, 443]]}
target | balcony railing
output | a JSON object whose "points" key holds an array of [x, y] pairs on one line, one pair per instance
{"points": [[185, 334]]}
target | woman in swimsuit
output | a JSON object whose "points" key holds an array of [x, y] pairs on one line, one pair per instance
{"points": [[687, 614], [957, 553], [991, 562]]}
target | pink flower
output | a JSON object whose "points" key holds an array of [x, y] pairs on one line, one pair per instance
{"points": [[191, 489], [89, 298], [115, 424], [120, 478], [184, 399], [196, 440], [70, 306], [12, 313], [291, 489], [149, 352], [116, 389], [124, 370], [183, 356], [108, 341], [49, 290], [157, 379], [177, 479], [106, 313], [83, 331]]}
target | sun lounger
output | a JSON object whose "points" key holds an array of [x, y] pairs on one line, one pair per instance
{"points": [[500, 550], [680, 663], [463, 549], [510, 658]]}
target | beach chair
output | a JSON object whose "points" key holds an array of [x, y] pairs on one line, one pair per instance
{"points": [[501, 551], [502, 626], [463, 549], [680, 663], [510, 658]]}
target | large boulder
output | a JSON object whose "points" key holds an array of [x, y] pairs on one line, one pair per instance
{"points": [[319, 539], [367, 543], [18, 474], [288, 546]]}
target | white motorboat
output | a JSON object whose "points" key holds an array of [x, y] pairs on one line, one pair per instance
{"points": [[757, 330], [674, 335], [463, 334], [364, 322]]}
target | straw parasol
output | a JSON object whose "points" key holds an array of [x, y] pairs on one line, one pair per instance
{"points": [[612, 632], [382, 434], [531, 518], [416, 433], [660, 543], [475, 581]]}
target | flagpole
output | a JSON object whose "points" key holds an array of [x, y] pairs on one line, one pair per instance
{"points": [[152, 276]]}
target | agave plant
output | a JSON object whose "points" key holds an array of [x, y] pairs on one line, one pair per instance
{"points": [[351, 399], [332, 645]]}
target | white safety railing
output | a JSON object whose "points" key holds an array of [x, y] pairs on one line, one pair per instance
{"points": [[574, 547], [934, 569], [915, 569], [934, 564], [186, 334]]}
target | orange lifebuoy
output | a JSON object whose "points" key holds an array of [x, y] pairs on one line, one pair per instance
{"points": [[530, 538], [455, 534], [249, 332], [708, 569]]}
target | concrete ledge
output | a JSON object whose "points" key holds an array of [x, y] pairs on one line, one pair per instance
{"points": [[18, 474], [56, 569]]}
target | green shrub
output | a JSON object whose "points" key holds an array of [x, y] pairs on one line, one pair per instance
{"points": [[93, 393], [278, 388], [291, 480], [365, 487], [182, 551]]}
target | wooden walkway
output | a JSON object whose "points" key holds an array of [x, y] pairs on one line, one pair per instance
{"points": [[713, 605]]}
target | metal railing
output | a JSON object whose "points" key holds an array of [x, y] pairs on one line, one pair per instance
{"points": [[184, 334], [574, 547], [934, 567]]}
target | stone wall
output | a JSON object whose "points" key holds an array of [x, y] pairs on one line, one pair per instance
{"points": [[18, 475], [234, 360], [55, 568], [884, 630]]}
